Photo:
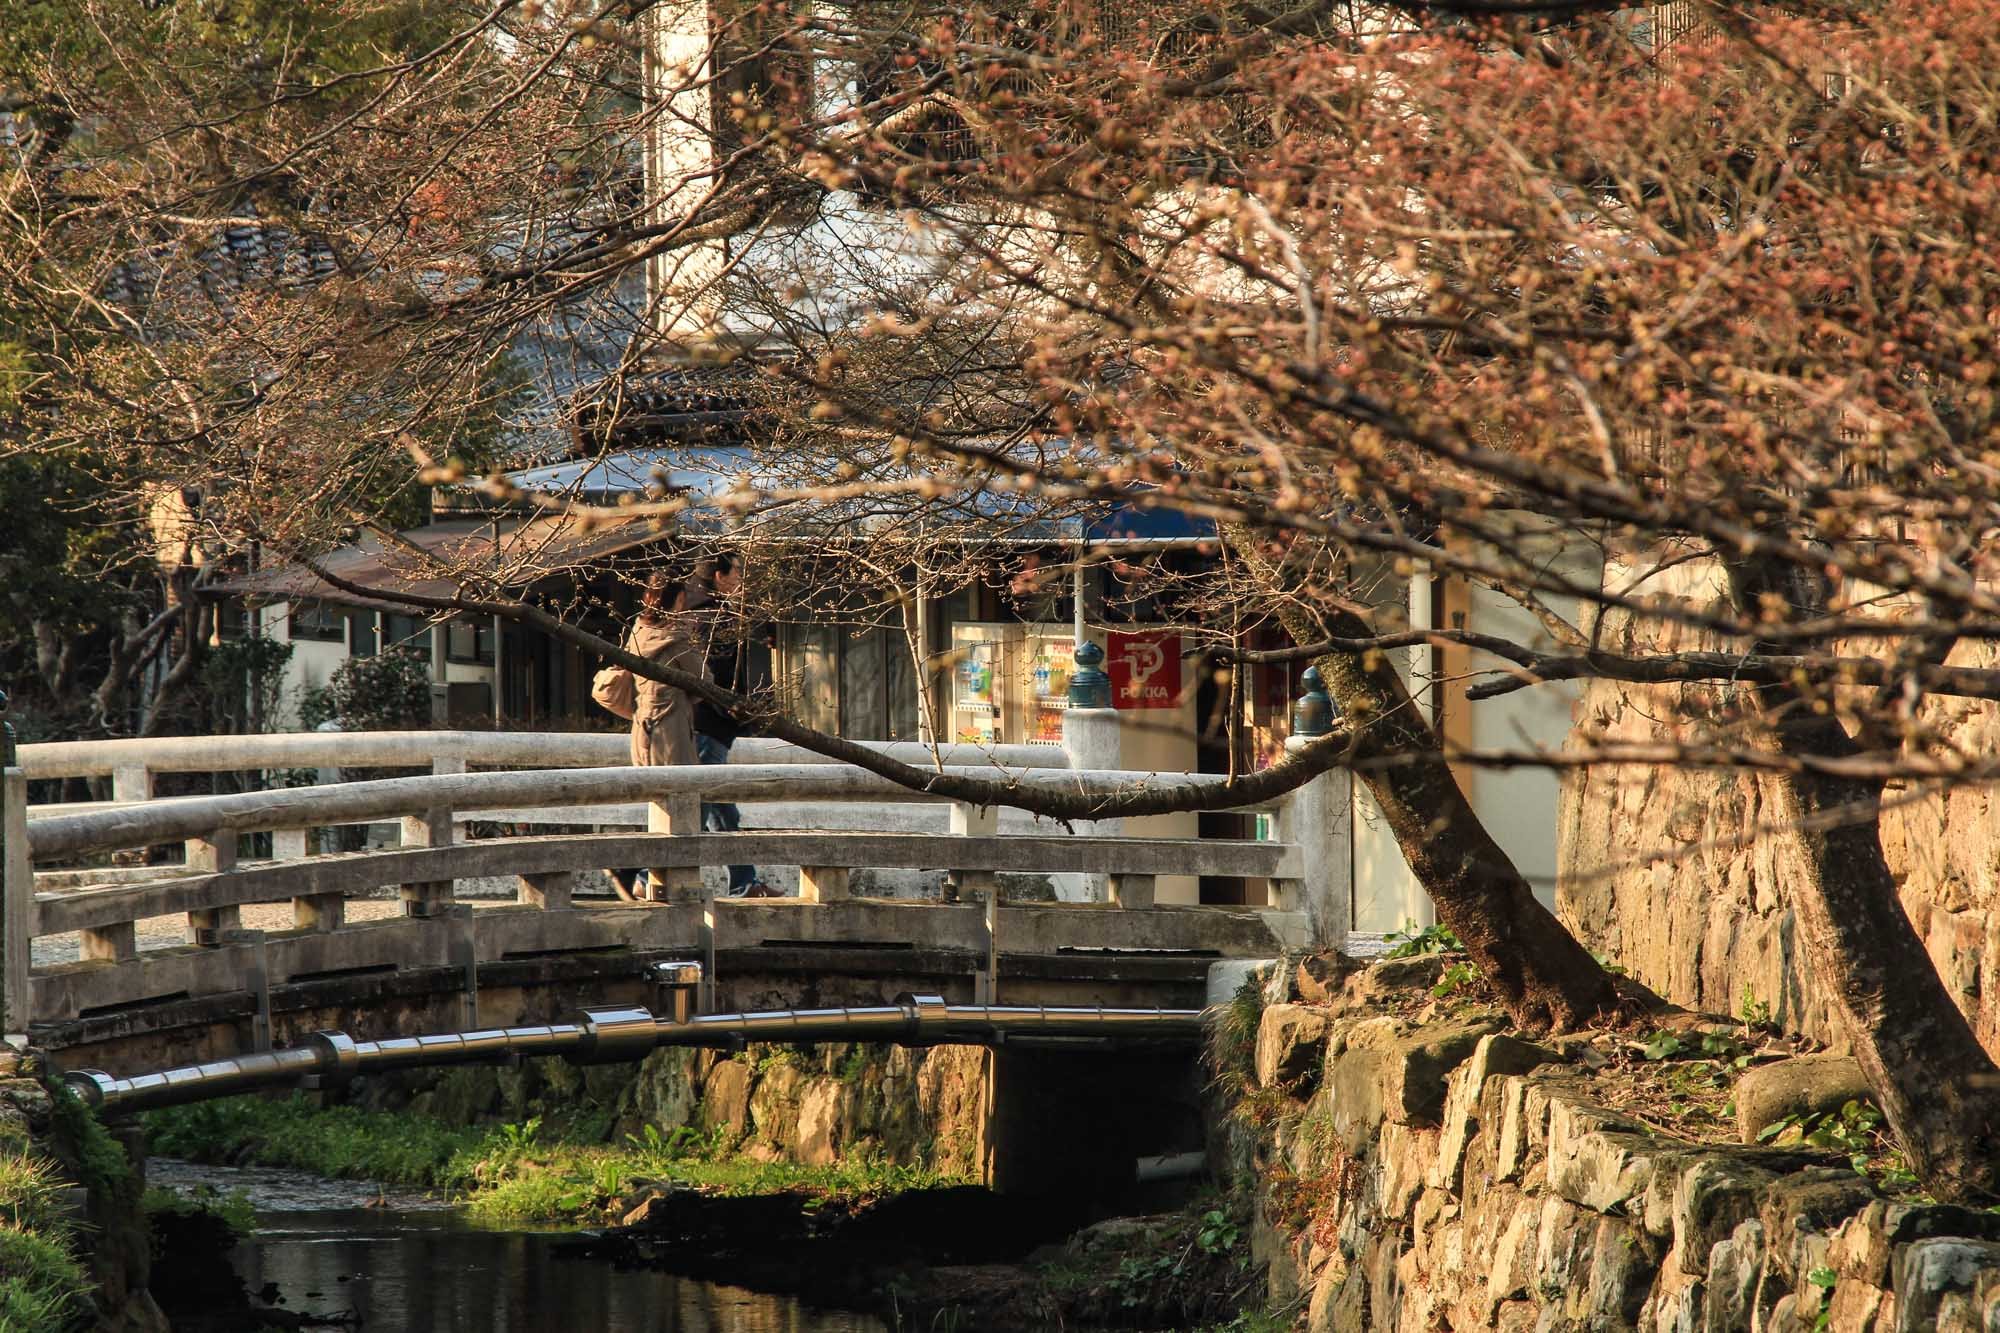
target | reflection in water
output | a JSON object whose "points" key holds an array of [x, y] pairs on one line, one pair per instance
{"points": [[423, 1268]]}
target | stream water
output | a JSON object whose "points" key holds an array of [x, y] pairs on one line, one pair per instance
{"points": [[384, 1260]]}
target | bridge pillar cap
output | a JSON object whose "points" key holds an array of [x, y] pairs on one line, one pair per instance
{"points": [[1089, 687], [1314, 712], [683, 973]]}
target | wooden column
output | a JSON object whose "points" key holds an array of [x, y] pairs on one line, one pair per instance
{"points": [[430, 829], [680, 816], [1132, 890], [114, 943], [17, 899], [824, 884], [551, 892], [215, 854]]}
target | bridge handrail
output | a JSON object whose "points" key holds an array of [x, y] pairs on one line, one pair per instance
{"points": [[132, 757], [183, 818], [537, 860], [1309, 880]]}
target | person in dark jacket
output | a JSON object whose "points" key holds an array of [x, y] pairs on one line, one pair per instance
{"points": [[715, 731]]}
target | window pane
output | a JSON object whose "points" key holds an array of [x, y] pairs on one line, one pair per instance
{"points": [[861, 716], [399, 631], [813, 665], [900, 681], [315, 622]]}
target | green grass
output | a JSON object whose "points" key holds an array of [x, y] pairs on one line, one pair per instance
{"points": [[336, 1141], [1232, 1037], [234, 1209], [527, 1172], [42, 1287], [30, 1193]]}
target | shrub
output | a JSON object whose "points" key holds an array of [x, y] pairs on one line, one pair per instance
{"points": [[388, 692]]}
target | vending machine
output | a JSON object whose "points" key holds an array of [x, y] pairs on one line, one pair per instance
{"points": [[979, 693], [1010, 683]]}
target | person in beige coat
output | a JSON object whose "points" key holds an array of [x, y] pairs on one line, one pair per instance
{"points": [[663, 715]]}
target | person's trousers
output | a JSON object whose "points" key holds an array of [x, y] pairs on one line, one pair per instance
{"points": [[722, 816]]}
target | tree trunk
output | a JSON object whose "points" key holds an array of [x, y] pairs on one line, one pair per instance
{"points": [[1544, 976], [1937, 1086]]}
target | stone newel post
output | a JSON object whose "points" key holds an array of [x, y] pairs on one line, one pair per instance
{"points": [[1090, 739], [1319, 818]]}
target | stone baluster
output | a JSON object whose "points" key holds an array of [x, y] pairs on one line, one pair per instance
{"points": [[432, 828], [825, 884], [116, 942], [550, 892], [1132, 890]]}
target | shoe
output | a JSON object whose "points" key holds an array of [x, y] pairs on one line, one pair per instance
{"points": [[759, 889]]}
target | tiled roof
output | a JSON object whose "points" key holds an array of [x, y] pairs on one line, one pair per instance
{"points": [[511, 551]]}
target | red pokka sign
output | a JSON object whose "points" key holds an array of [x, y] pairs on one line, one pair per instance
{"points": [[1145, 669]]}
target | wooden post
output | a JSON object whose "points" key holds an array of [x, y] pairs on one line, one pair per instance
{"points": [[17, 899], [430, 829], [131, 783], [550, 892], [1132, 891], [824, 884], [320, 912], [680, 816], [215, 855], [288, 844], [115, 943]]}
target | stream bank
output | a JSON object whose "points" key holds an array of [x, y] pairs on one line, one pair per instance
{"points": [[73, 1240], [810, 1173], [334, 1254], [1417, 1163]]}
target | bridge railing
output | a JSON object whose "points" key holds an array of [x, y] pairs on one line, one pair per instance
{"points": [[133, 764], [433, 930]]}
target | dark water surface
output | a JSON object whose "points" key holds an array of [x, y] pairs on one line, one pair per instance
{"points": [[401, 1261]]}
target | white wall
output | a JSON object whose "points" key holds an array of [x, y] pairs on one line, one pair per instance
{"points": [[1517, 805], [308, 668]]}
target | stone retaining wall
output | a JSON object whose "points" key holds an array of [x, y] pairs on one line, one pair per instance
{"points": [[1678, 875], [811, 1105], [1449, 1175]]}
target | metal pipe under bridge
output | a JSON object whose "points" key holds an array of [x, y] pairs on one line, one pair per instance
{"points": [[606, 1035]]}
